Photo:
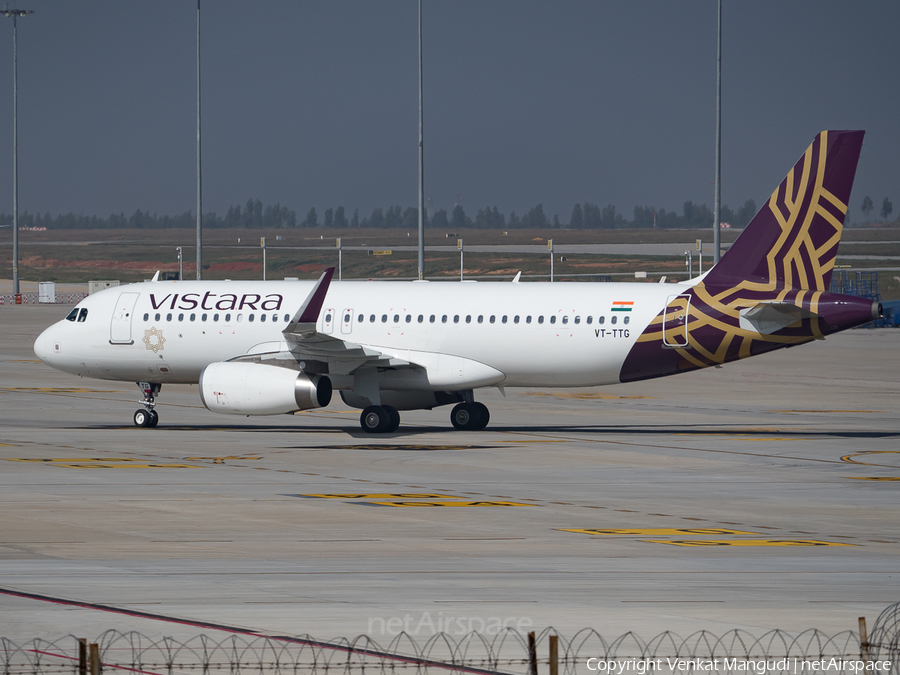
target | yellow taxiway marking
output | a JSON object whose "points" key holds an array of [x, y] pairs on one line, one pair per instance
{"points": [[745, 542], [63, 390], [220, 460], [827, 411], [105, 463], [383, 495], [874, 477], [849, 458], [439, 504], [583, 396], [656, 532]]}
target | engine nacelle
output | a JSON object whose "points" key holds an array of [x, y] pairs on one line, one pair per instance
{"points": [[238, 388]]}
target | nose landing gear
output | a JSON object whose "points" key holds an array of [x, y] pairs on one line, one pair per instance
{"points": [[148, 417]]}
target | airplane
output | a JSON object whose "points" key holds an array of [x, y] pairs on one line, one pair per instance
{"points": [[277, 347]]}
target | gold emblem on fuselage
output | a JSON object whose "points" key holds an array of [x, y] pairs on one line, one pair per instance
{"points": [[154, 339]]}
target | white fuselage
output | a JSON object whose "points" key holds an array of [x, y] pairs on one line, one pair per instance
{"points": [[524, 334]]}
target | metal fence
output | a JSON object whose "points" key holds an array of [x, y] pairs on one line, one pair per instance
{"points": [[506, 652], [32, 298]]}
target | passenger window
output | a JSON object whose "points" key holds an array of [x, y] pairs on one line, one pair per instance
{"points": [[541, 319], [215, 317], [431, 319], [421, 318], [250, 317], [327, 318], [360, 318], [347, 318], [626, 319], [456, 318], [553, 319], [396, 318], [565, 319], [193, 317], [240, 317], [492, 318], [504, 318], [72, 315], [384, 318], [168, 317], [146, 317], [601, 320], [408, 318], [613, 318], [577, 319], [516, 319], [181, 317], [157, 316], [82, 315], [287, 318], [227, 318], [480, 318], [371, 318], [444, 319], [590, 319], [468, 318], [528, 319]]}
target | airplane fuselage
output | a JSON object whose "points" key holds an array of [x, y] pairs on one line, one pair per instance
{"points": [[524, 334]]}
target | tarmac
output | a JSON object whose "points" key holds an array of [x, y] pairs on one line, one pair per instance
{"points": [[757, 496]]}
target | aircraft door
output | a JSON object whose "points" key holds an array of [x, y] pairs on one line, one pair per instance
{"points": [[347, 321], [120, 326], [328, 321], [675, 321]]}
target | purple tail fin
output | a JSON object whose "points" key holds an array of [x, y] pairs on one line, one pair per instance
{"points": [[793, 240]]}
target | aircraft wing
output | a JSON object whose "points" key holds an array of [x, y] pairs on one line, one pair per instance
{"points": [[306, 343]]}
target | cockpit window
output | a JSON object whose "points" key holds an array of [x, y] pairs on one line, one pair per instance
{"points": [[72, 315], [82, 315]]}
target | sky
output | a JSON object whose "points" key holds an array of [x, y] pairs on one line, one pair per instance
{"points": [[315, 104]]}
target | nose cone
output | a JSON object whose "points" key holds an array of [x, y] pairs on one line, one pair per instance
{"points": [[43, 346]]}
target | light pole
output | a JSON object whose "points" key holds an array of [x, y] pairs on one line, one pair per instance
{"points": [[340, 259], [180, 264], [15, 14], [718, 197], [550, 248], [459, 245], [199, 182], [421, 162]]}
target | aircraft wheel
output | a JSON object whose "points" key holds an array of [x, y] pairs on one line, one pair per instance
{"points": [[154, 419], [394, 416], [484, 416], [375, 419], [466, 417], [142, 418]]}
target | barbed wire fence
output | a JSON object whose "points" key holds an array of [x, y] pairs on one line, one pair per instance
{"points": [[507, 652]]}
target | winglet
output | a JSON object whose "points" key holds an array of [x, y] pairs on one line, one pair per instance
{"points": [[306, 317], [155, 276], [518, 276]]}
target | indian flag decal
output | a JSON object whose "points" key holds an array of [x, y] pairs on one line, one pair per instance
{"points": [[622, 306]]}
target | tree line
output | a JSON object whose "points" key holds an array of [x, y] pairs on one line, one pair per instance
{"points": [[255, 215]]}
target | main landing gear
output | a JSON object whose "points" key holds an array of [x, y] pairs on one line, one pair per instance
{"points": [[384, 419], [380, 419], [147, 417], [470, 416]]}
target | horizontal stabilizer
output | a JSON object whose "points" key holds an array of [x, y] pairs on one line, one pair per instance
{"points": [[769, 317]]}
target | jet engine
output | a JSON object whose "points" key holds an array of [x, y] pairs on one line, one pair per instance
{"points": [[238, 388]]}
